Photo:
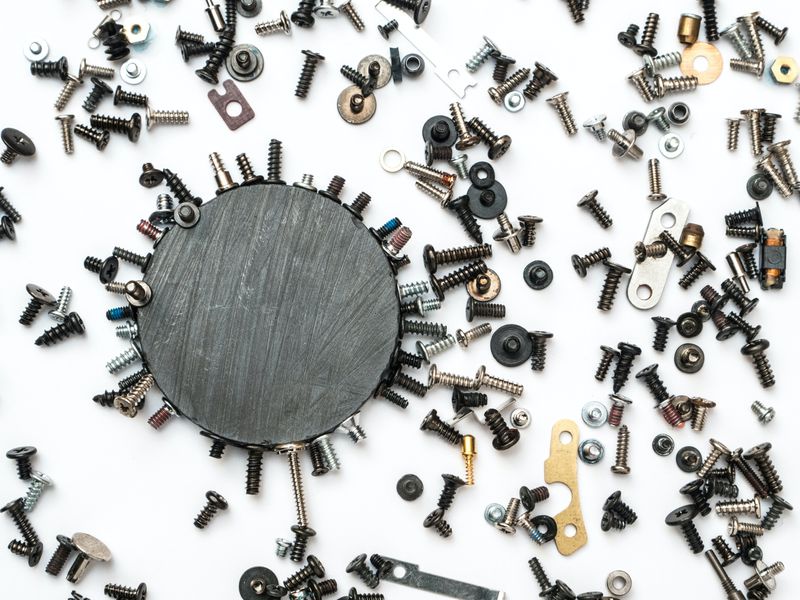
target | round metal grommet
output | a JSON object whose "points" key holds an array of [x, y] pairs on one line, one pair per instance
{"points": [[254, 582], [688, 459], [759, 187], [391, 166], [520, 418], [413, 65], [514, 101], [494, 513], [409, 487], [488, 203], [619, 583], [594, 414], [511, 345], [481, 174], [245, 62], [93, 43], [689, 325], [385, 73], [671, 145], [485, 287], [36, 50], [538, 275], [591, 451], [440, 131], [133, 71], [186, 215], [689, 358], [248, 8], [678, 113], [663, 445], [354, 107]]}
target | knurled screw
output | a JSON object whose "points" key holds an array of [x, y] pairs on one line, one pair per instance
{"points": [[432, 422], [214, 503]]}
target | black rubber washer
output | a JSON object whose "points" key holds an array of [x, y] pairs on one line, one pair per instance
{"points": [[475, 171], [551, 527], [409, 487], [759, 187], [538, 275], [488, 203], [413, 65], [253, 583], [689, 325], [397, 66], [511, 345], [434, 131], [688, 459], [663, 445]]}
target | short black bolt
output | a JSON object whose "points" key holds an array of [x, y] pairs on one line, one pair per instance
{"points": [[97, 137], [414, 386], [545, 585], [539, 352], [22, 456], [531, 497], [360, 567], [214, 503], [359, 205], [13, 213], [627, 354], [255, 455], [749, 330], [440, 285], [106, 399], [73, 324], [99, 89], [725, 328], [106, 269], [611, 521], [743, 217], [437, 522], [408, 359], [489, 310], [39, 299], [393, 397], [590, 203], [699, 493], [779, 505], [130, 99], [611, 284], [140, 260], [366, 83], [334, 189], [581, 264], [724, 551], [615, 505], [51, 68], [388, 28], [682, 254], [432, 422], [608, 356], [16, 512], [304, 15], [300, 543], [683, 517], [310, 62], [60, 556], [189, 50], [715, 300], [419, 9], [701, 265], [739, 298], [383, 566], [451, 485], [649, 375], [756, 351], [628, 38], [460, 206], [541, 78], [313, 568], [433, 258], [504, 436], [131, 127], [501, 66], [121, 592], [318, 590], [663, 326], [461, 399], [274, 161], [33, 552]]}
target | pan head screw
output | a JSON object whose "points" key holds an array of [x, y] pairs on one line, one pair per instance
{"points": [[22, 456], [17, 144]]}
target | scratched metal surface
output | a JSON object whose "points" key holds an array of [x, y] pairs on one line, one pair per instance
{"points": [[272, 319]]}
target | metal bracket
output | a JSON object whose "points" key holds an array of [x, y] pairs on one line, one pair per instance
{"points": [[222, 101], [452, 72], [649, 278], [562, 467], [408, 574]]}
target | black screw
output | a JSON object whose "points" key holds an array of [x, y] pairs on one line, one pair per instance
{"points": [[121, 592], [617, 507], [60, 556], [451, 485], [725, 552], [366, 84], [313, 568], [760, 455], [97, 137], [39, 299], [107, 269], [725, 328], [409, 383], [539, 353], [32, 551], [388, 28], [360, 567], [253, 481], [187, 36], [357, 206], [628, 37], [627, 354], [541, 77], [274, 159], [418, 8], [490, 310], [304, 15], [545, 585], [682, 254], [581, 264], [383, 566], [755, 350], [701, 265], [51, 68], [189, 50], [334, 189], [300, 543], [426, 328], [7, 229], [432, 422], [179, 190], [312, 59], [530, 497], [715, 300], [141, 261], [22, 456], [323, 588], [461, 399], [217, 445], [210, 71], [498, 145], [699, 493], [16, 512], [214, 503], [501, 65], [740, 299], [460, 206], [611, 284], [683, 517], [608, 356], [435, 520], [457, 277], [73, 324], [504, 436], [611, 521], [528, 223], [710, 19], [410, 360], [131, 127], [17, 144], [771, 30], [130, 99], [663, 326], [749, 330], [599, 214], [119, 313], [752, 232], [100, 88], [779, 505], [747, 254], [649, 375], [748, 473], [8, 208]]}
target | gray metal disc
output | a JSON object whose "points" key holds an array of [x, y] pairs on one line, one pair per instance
{"points": [[273, 319]]}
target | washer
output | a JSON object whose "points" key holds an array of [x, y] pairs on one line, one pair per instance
{"points": [[702, 50], [663, 445], [619, 590], [481, 174], [594, 414], [345, 104], [689, 459], [385, 74], [413, 65], [591, 451], [245, 62], [514, 101], [36, 50], [487, 203], [133, 71], [409, 487], [671, 145], [388, 166], [485, 287]]}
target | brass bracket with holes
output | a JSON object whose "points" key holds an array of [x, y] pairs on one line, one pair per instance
{"points": [[562, 467]]}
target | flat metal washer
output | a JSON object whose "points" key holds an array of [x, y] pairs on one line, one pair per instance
{"points": [[245, 62], [514, 101], [346, 111], [663, 445], [671, 145], [616, 590], [384, 77], [387, 166], [594, 413], [133, 71], [702, 50], [36, 50], [492, 290]]}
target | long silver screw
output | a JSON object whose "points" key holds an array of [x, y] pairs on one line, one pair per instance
{"points": [[734, 35], [67, 139], [166, 117], [734, 126], [292, 452], [70, 87], [753, 117], [654, 176], [282, 23], [561, 106]]}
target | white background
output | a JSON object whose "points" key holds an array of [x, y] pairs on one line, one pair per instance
{"points": [[138, 490]]}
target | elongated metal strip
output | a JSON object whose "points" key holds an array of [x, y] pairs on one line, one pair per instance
{"points": [[408, 574]]}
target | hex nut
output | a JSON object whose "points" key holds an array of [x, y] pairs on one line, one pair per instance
{"points": [[136, 30], [784, 70]]}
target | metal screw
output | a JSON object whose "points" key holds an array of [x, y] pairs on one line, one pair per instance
{"points": [[701, 265], [159, 418], [764, 413], [465, 337], [780, 151], [214, 503], [72, 324], [620, 466], [597, 127], [490, 310], [611, 284], [648, 36], [482, 55], [654, 177], [627, 354], [733, 133], [426, 351], [65, 126], [71, 85], [60, 556], [541, 78], [436, 377], [539, 353], [99, 138], [468, 221], [731, 591], [748, 22], [590, 203], [737, 459], [639, 81], [779, 505], [508, 234], [683, 517], [282, 23], [432, 422], [121, 592], [500, 91], [440, 285], [628, 39], [498, 145], [625, 144], [561, 106], [760, 455], [505, 437], [39, 481], [609, 354], [155, 117], [353, 429], [128, 404], [756, 351], [510, 518]]}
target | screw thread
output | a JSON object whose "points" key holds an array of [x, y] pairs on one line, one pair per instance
{"points": [[395, 398], [67, 138], [559, 103], [159, 418], [412, 385], [121, 592], [360, 203], [217, 448], [768, 473], [97, 137], [425, 328], [128, 404], [253, 479], [748, 22], [516, 79], [599, 213], [642, 86], [273, 26], [92, 100], [299, 546], [773, 516], [169, 117], [502, 385], [623, 368], [70, 86], [306, 76], [774, 174], [465, 337], [246, 169], [410, 360], [654, 176], [188, 50], [22, 523], [222, 48], [462, 275], [609, 290], [19, 548], [764, 414], [206, 515], [765, 375], [434, 423], [50, 68], [539, 353], [59, 558], [480, 57], [650, 29], [541, 78], [437, 377], [576, 8], [72, 325], [623, 448], [352, 15], [736, 507], [749, 474], [112, 124], [541, 577], [131, 257], [693, 274], [781, 153], [118, 313], [768, 128], [35, 491], [439, 346], [398, 240], [512, 510], [466, 218], [328, 452], [733, 133], [674, 246], [608, 356], [274, 160], [296, 473]]}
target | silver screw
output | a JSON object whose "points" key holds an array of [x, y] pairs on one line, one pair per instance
{"points": [[67, 139], [166, 117], [465, 337], [39, 481], [70, 86], [282, 23], [481, 56], [764, 413], [59, 313]]}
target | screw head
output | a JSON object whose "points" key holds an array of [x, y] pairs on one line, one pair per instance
{"points": [[21, 452], [18, 142], [39, 293], [719, 446], [681, 515], [755, 347], [215, 499], [500, 147]]}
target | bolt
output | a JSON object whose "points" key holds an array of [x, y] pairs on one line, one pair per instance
{"points": [[727, 584], [498, 145], [620, 466], [214, 503], [627, 354], [505, 437], [663, 326], [99, 138], [639, 81], [541, 78], [611, 284], [432, 422]]}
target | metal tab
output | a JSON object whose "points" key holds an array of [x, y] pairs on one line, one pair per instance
{"points": [[222, 101], [408, 574]]}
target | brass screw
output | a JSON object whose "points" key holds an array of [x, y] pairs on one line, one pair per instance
{"points": [[469, 453]]}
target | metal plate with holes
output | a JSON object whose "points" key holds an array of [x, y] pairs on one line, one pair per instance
{"points": [[408, 574], [651, 275], [384, 77], [562, 467], [222, 101], [450, 70]]}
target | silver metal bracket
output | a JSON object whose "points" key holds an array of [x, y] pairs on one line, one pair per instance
{"points": [[649, 278], [452, 72], [409, 575]]}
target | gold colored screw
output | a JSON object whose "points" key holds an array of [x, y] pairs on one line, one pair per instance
{"points": [[469, 453]]}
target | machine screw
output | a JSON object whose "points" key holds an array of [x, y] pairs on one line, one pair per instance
{"points": [[764, 577], [611, 284], [282, 23], [731, 591], [482, 55], [121, 97], [159, 418], [561, 106], [435, 520], [608, 356], [733, 133], [60, 556], [461, 399], [756, 351], [581, 264], [506, 525], [71, 84], [131, 402], [22, 456], [620, 466], [663, 326], [140, 260], [113, 590], [683, 517], [188, 50], [539, 353], [654, 177], [780, 151], [39, 299], [627, 354], [65, 126], [437, 377], [699, 493], [424, 328], [735, 527], [440, 285], [625, 144], [508, 234], [779, 505], [498, 145], [465, 138], [648, 36], [426, 351], [434, 258], [388, 28], [483, 378], [155, 117], [736, 507], [214, 503], [505, 437], [750, 331], [39, 481], [432, 422], [764, 413], [597, 127], [99, 138], [360, 567], [500, 91]]}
